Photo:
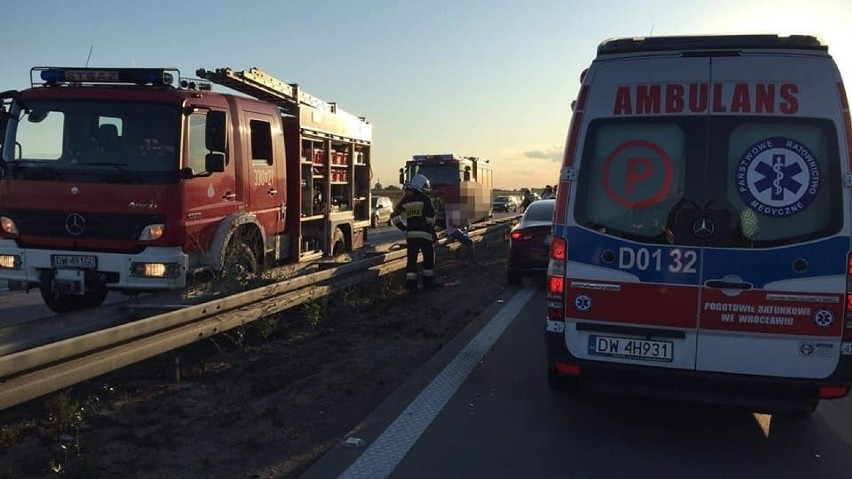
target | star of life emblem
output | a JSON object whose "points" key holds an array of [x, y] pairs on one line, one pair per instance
{"points": [[778, 177]]}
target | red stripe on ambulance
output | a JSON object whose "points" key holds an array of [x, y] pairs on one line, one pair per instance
{"points": [[754, 312], [635, 303]]}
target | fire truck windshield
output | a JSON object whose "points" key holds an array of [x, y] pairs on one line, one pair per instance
{"points": [[439, 175], [95, 141]]}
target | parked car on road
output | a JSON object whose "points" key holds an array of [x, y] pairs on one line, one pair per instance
{"points": [[529, 242], [504, 204], [380, 211]]}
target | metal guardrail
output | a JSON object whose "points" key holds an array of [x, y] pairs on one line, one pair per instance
{"points": [[38, 371]]}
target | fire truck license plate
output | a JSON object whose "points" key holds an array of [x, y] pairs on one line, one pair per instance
{"points": [[630, 348], [73, 261]]}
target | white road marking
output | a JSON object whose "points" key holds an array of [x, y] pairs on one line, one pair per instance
{"points": [[386, 452]]}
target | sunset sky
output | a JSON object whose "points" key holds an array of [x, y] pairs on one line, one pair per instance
{"points": [[487, 78]]}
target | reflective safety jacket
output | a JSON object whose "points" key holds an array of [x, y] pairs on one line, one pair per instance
{"points": [[419, 215]]}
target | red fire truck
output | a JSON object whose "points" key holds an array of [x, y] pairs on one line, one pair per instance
{"points": [[461, 186], [136, 179]]}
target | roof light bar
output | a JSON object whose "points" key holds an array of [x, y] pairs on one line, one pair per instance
{"points": [[52, 76]]}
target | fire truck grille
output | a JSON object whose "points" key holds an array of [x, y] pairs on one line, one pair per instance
{"points": [[92, 226]]}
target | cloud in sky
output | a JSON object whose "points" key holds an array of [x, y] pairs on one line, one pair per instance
{"points": [[549, 152]]}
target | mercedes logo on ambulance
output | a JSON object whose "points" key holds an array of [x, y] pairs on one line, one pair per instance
{"points": [[703, 228], [75, 224]]}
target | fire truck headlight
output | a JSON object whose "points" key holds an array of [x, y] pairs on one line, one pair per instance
{"points": [[155, 270], [8, 226], [152, 232], [10, 261]]}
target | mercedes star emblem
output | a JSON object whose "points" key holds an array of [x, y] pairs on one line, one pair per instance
{"points": [[75, 224], [703, 228]]}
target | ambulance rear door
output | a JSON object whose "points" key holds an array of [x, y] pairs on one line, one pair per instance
{"points": [[631, 295], [773, 276]]}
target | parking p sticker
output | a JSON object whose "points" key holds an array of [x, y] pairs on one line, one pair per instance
{"points": [[778, 177], [637, 174]]}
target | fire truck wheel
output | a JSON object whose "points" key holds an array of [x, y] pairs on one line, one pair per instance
{"points": [[63, 303], [240, 263], [338, 243]]}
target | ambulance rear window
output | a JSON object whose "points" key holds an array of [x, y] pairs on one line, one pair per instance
{"points": [[632, 175], [757, 182], [783, 179]]}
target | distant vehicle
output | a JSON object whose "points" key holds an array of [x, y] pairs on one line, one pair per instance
{"points": [[504, 204], [380, 211], [461, 186], [529, 242]]}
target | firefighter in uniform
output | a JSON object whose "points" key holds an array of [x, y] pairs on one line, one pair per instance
{"points": [[419, 229]]}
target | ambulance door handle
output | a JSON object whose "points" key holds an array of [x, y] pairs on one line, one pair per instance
{"points": [[229, 196], [720, 284], [272, 192]]}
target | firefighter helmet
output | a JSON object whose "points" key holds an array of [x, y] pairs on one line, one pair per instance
{"points": [[419, 183]]}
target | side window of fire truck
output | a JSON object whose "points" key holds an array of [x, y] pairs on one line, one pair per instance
{"points": [[261, 142], [197, 142], [41, 135]]}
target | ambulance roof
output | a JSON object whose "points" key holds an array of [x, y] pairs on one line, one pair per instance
{"points": [[710, 42]]}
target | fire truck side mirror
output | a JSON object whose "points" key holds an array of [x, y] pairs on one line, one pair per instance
{"points": [[401, 177], [214, 162], [215, 130], [466, 173]]}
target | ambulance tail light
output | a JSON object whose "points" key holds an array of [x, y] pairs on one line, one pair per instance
{"points": [[556, 279]]}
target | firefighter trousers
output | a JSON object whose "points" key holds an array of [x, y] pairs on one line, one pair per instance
{"points": [[415, 246]]}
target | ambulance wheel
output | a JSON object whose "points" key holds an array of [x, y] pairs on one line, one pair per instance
{"points": [[338, 243], [514, 277], [558, 382], [374, 222]]}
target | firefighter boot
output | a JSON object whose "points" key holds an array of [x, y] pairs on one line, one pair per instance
{"points": [[429, 281]]}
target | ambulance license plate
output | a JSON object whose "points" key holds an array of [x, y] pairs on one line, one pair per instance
{"points": [[73, 261], [631, 348]]}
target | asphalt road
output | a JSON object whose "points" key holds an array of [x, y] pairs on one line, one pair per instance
{"points": [[504, 421]]}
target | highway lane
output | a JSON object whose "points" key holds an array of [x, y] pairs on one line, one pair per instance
{"points": [[504, 421]]}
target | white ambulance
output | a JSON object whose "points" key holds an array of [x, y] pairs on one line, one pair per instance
{"points": [[701, 239]]}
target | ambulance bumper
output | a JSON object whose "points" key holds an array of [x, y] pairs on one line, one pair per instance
{"points": [[757, 393]]}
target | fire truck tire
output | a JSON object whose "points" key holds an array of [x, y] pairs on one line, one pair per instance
{"points": [[338, 243], [63, 303], [240, 262]]}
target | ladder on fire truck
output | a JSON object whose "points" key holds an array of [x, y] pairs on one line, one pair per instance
{"points": [[264, 86]]}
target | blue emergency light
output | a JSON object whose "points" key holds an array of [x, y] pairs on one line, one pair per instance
{"points": [[444, 157], [52, 76]]}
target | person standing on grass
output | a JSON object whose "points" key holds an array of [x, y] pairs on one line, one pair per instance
{"points": [[419, 227]]}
